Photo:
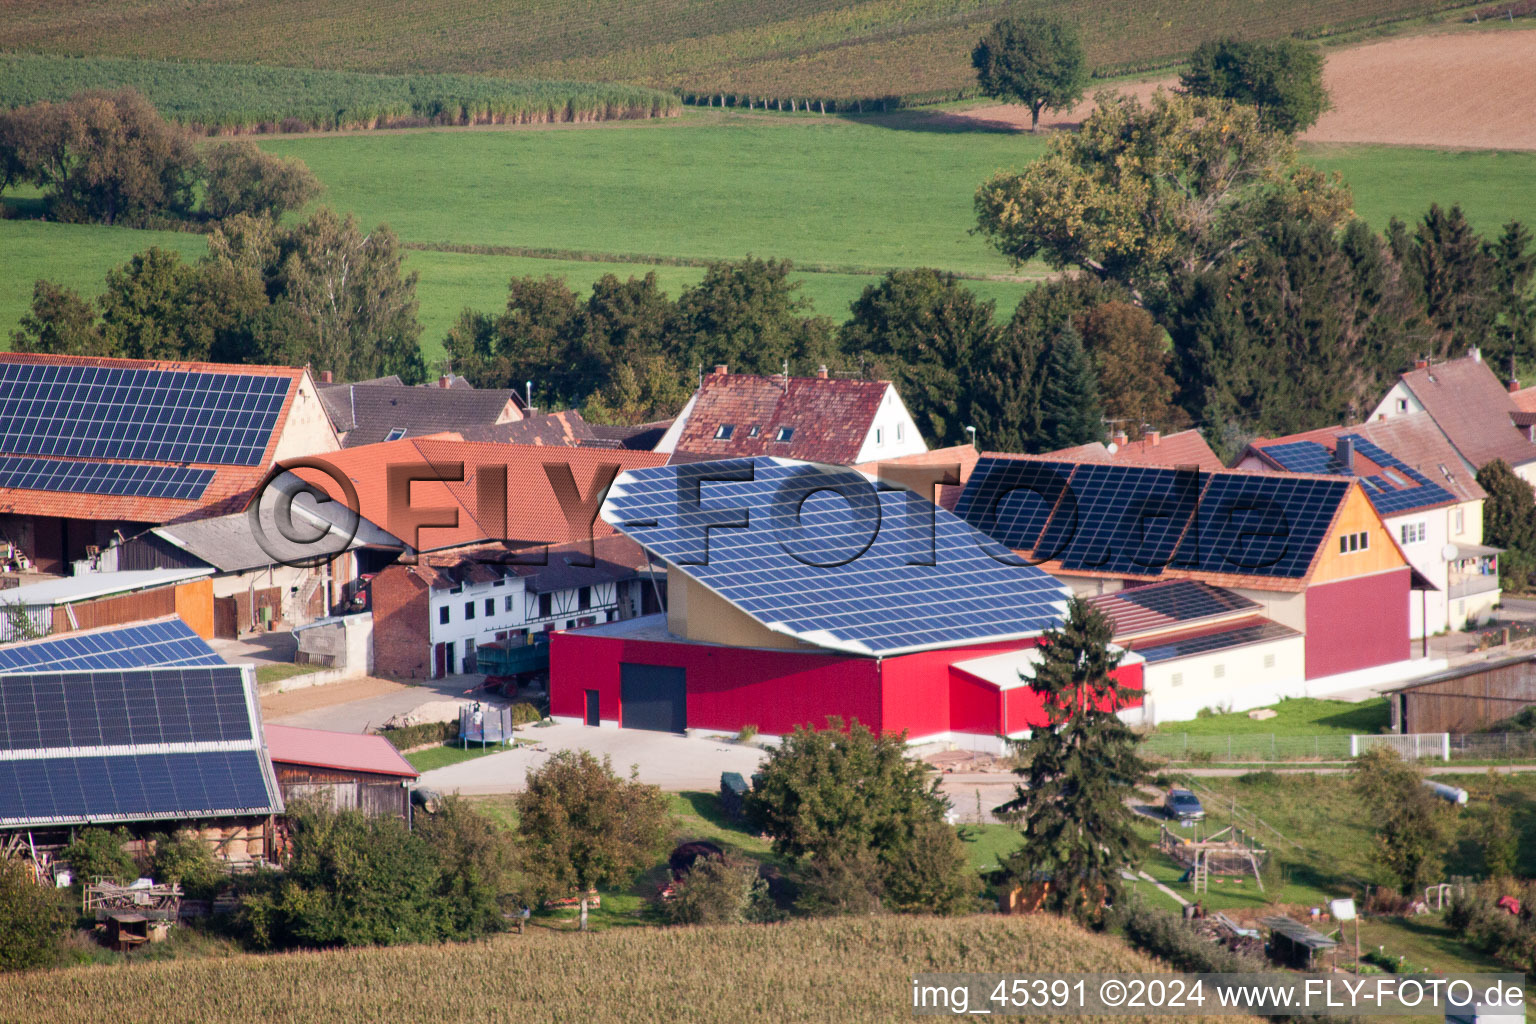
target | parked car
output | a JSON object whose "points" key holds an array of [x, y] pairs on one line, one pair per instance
{"points": [[1183, 805]]}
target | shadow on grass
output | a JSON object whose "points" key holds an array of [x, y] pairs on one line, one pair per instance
{"points": [[707, 806], [941, 122], [1368, 717]]}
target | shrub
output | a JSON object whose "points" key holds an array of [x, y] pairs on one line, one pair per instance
{"points": [[185, 859], [476, 857], [524, 713], [842, 884], [31, 919], [1486, 926], [420, 735], [1166, 936], [242, 179], [747, 734], [1259, 780], [97, 853], [720, 891]]}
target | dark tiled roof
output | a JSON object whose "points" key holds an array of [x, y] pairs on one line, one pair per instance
{"points": [[556, 428], [1473, 409], [641, 437], [830, 418], [366, 413], [1162, 606]]}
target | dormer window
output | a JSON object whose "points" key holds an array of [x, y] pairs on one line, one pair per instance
{"points": [[724, 431], [784, 434], [753, 431], [394, 435]]}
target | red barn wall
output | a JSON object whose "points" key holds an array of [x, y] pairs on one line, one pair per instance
{"points": [[728, 687], [1357, 623]]}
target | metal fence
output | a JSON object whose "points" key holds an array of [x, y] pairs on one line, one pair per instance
{"points": [[1481, 746]]}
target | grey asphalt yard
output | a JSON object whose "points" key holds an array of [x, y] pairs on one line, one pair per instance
{"points": [[372, 711], [662, 759]]}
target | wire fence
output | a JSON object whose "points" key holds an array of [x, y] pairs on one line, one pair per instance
{"points": [[1483, 746]]}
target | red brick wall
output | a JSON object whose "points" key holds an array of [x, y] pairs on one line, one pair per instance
{"points": [[401, 647]]}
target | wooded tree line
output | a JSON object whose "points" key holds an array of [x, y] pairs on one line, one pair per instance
{"points": [[108, 157], [323, 293]]}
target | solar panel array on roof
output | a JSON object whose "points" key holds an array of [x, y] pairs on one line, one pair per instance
{"points": [[1130, 518], [171, 642], [1303, 457], [1183, 600], [138, 744], [125, 478], [138, 414], [1127, 519], [136, 787], [1423, 491], [1238, 636], [1261, 525], [817, 552], [129, 708]]}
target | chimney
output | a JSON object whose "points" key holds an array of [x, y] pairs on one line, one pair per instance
{"points": [[1475, 354], [445, 381], [1345, 454], [1422, 364], [722, 369], [821, 371], [1120, 438], [1512, 385], [325, 377], [1153, 438]]}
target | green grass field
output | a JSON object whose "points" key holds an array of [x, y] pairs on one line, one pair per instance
{"points": [[1299, 716], [805, 48], [849, 196]]}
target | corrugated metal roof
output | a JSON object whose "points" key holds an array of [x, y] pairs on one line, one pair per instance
{"points": [[97, 584], [344, 751]]}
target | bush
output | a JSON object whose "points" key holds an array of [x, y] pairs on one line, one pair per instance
{"points": [[720, 891], [421, 735], [747, 734], [97, 853], [185, 859], [1167, 937], [1486, 926], [242, 179], [842, 884], [476, 856], [31, 919], [1259, 780], [351, 880], [524, 713]]}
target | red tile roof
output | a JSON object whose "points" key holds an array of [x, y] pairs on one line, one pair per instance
{"points": [[533, 513], [1186, 448], [229, 490], [1473, 410], [962, 456], [344, 751], [1524, 399], [830, 417]]}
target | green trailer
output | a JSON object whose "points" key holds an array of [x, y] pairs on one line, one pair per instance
{"points": [[513, 657]]}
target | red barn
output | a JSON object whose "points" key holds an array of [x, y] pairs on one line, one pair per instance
{"points": [[799, 592]]}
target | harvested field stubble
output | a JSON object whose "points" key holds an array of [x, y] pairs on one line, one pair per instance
{"points": [[810, 971]]}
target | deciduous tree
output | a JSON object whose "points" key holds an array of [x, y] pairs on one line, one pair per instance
{"points": [[583, 827], [239, 178], [1078, 772], [1509, 522], [59, 322], [1131, 358], [31, 918], [1038, 62], [1142, 192], [1406, 820], [1282, 79], [747, 314]]}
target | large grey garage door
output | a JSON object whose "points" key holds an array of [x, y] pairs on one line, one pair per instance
{"points": [[653, 697]]}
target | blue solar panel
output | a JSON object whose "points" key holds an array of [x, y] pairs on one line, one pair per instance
{"points": [[1183, 600], [1390, 502], [1261, 525], [1211, 642], [1010, 500], [134, 707], [1130, 519], [112, 478], [1396, 497], [135, 787], [138, 414], [1303, 457], [170, 642], [819, 553]]}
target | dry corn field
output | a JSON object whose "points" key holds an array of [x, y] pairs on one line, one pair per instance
{"points": [[810, 971]]}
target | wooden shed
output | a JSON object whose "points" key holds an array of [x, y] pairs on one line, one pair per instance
{"points": [[342, 770], [1466, 698]]}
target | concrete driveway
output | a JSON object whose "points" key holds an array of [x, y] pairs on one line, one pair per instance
{"points": [[319, 708], [663, 759]]}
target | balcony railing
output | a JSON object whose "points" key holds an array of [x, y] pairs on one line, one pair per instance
{"points": [[1473, 585]]}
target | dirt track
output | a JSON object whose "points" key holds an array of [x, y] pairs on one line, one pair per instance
{"points": [[1468, 89]]}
